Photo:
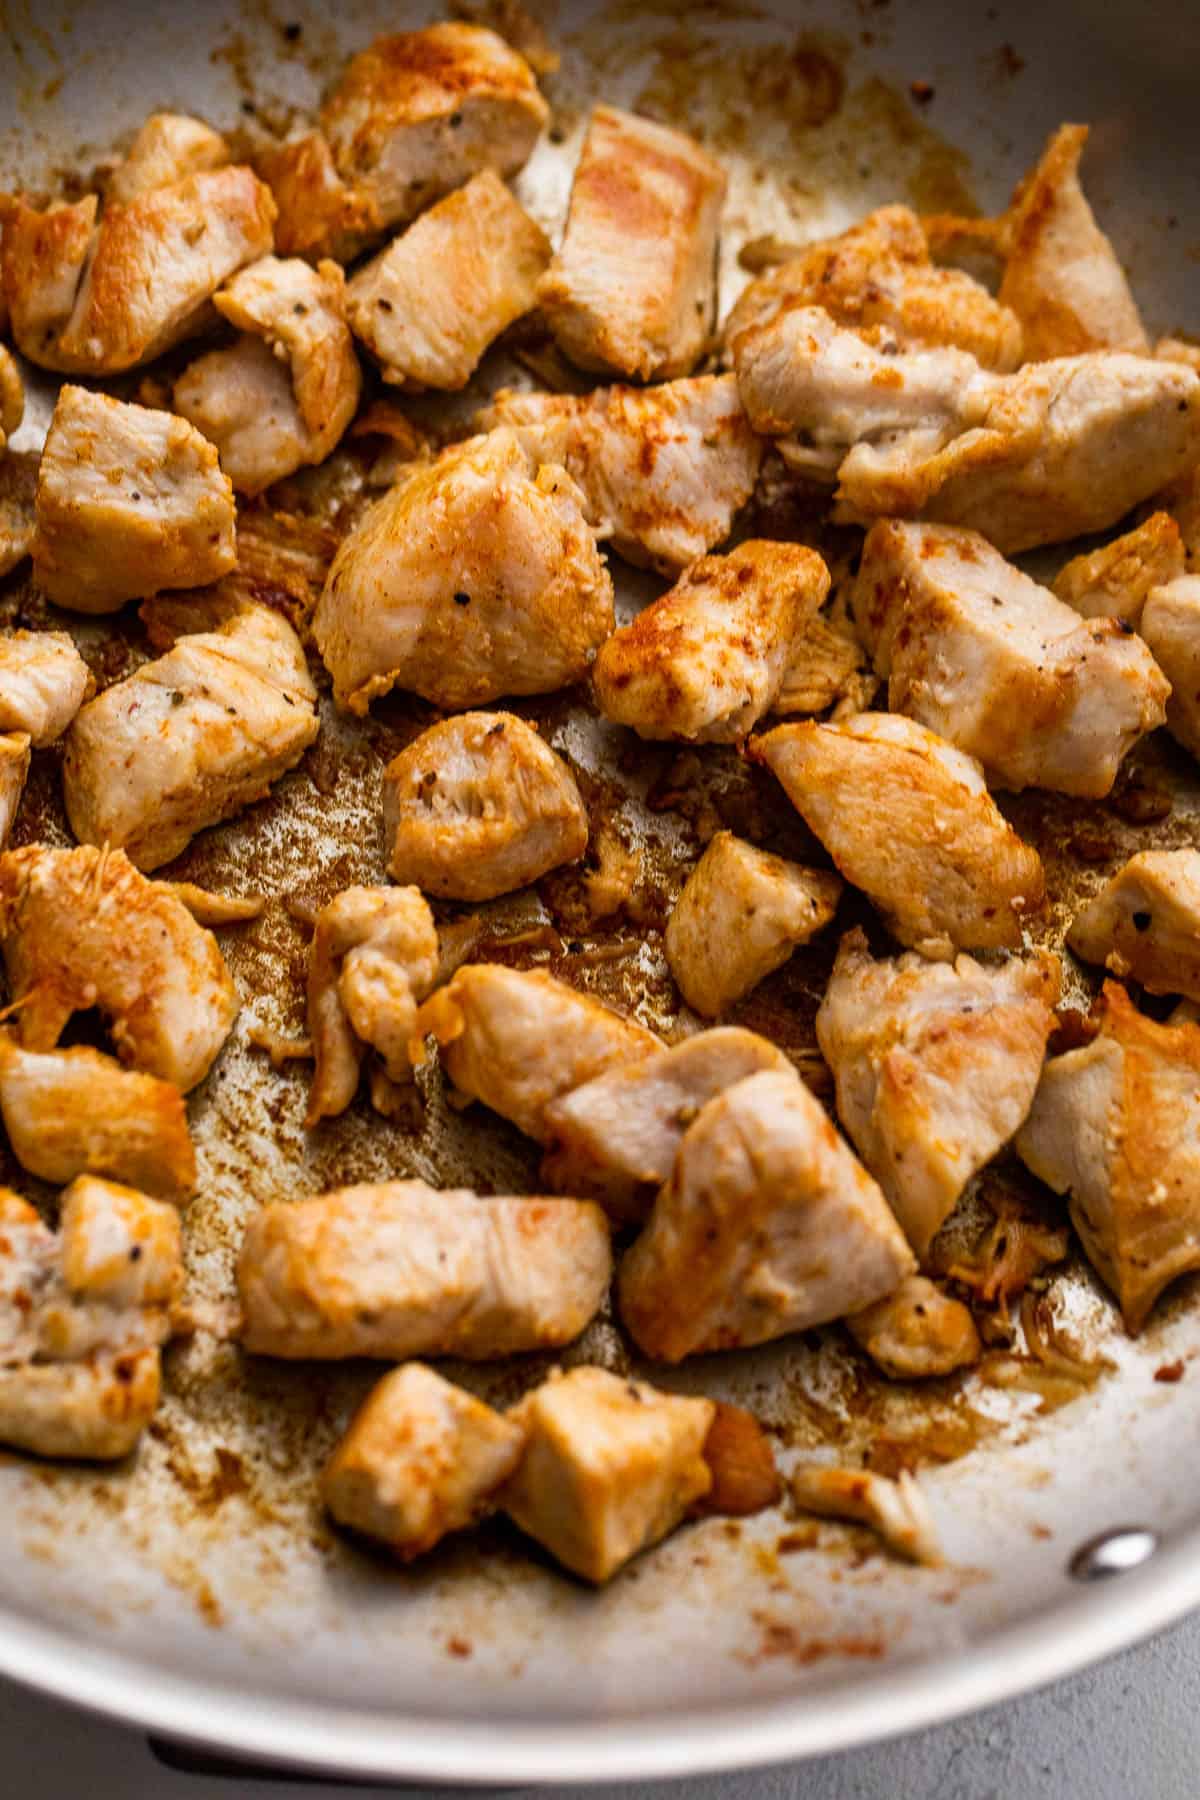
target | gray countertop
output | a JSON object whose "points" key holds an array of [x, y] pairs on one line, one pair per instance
{"points": [[1124, 1730]]}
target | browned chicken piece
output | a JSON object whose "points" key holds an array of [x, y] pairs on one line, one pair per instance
{"points": [[95, 299], [421, 1458], [43, 683], [1053, 451], [917, 1332], [632, 290], [12, 397], [82, 928], [429, 305], [417, 114], [77, 1112], [897, 1510], [399, 1270], [82, 1314], [705, 662], [476, 576], [1171, 627], [976, 650], [908, 818], [18, 488], [1144, 924], [1113, 582], [664, 469], [614, 1138], [1116, 1127], [767, 1225], [1181, 499], [741, 914], [168, 148], [478, 806], [936, 1065], [739, 1454], [281, 397], [879, 273], [129, 501], [610, 1467], [1170, 349], [14, 767], [828, 668], [517, 1039], [373, 959], [190, 738], [319, 214]]}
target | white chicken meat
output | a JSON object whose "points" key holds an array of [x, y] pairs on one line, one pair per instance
{"points": [[168, 148], [1144, 924], [1171, 627], [14, 768], [1113, 582], [43, 683]]}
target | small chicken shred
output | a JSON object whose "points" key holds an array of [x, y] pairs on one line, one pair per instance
{"points": [[12, 397], [897, 1510], [1144, 923], [917, 1333], [829, 668], [18, 490], [168, 148], [1113, 582]]}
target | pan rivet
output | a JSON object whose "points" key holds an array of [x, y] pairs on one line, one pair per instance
{"points": [[1113, 1553]]}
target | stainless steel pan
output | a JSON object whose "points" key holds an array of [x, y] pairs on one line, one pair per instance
{"points": [[199, 1591]]}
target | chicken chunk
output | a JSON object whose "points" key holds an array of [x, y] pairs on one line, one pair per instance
{"points": [[478, 806], [663, 470], [1116, 1127], [421, 1458], [610, 1467], [373, 959], [828, 668], [1144, 923], [281, 396], [400, 1270], [475, 577], [879, 273], [767, 1225], [82, 928], [77, 1112], [14, 767], [1115, 580], [129, 501], [96, 299], [614, 1138], [632, 291], [18, 488], [741, 914], [1171, 628], [190, 738], [319, 214], [908, 818], [517, 1039], [430, 304], [43, 683], [917, 1332], [936, 1066], [168, 148], [897, 1510], [12, 397], [979, 652], [706, 661]]}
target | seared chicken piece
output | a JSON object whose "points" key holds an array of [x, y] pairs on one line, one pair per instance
{"points": [[1171, 628], [14, 767], [282, 396], [1145, 923], [129, 501], [18, 487], [614, 1138], [974, 649], [430, 304], [82, 928], [478, 806], [81, 1317], [475, 577], [373, 959], [908, 818], [632, 290], [610, 1467], [421, 1458], [828, 668], [77, 1112], [12, 397], [1055, 450], [1115, 580], [517, 1039], [319, 213], [706, 661], [936, 1066], [767, 1225], [168, 148], [43, 683], [917, 1332], [400, 1270], [190, 738], [741, 914], [663, 470], [879, 273], [897, 1510], [1116, 1127], [96, 299]]}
